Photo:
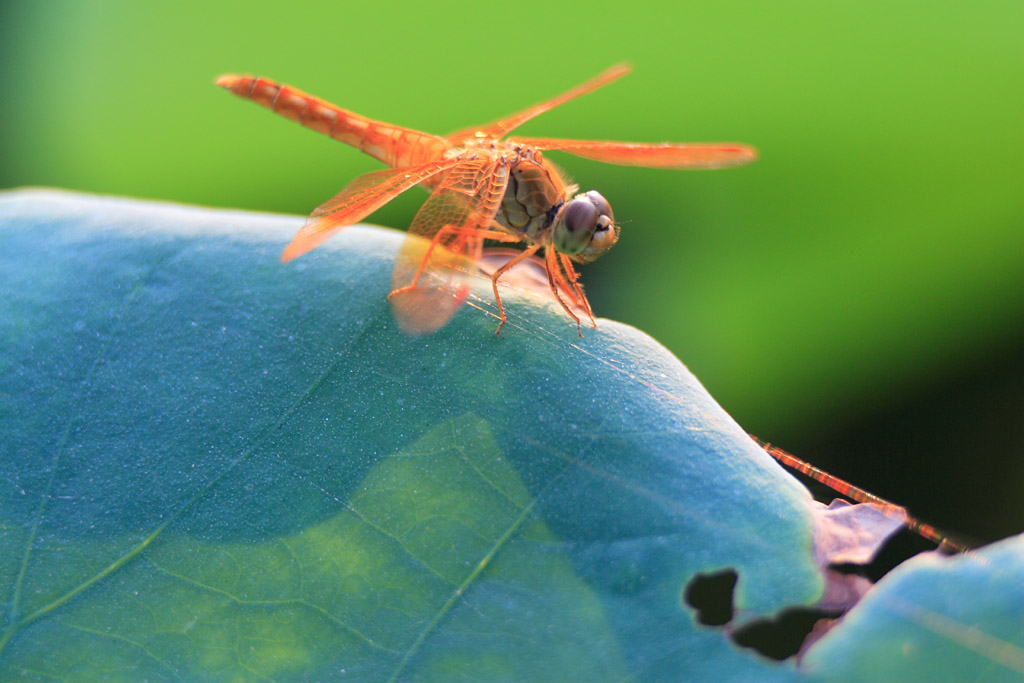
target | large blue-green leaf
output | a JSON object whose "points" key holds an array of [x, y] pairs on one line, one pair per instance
{"points": [[218, 467]]}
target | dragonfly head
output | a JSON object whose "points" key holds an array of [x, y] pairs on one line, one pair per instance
{"points": [[585, 227]]}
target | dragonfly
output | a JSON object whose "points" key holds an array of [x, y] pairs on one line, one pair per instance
{"points": [[484, 185]]}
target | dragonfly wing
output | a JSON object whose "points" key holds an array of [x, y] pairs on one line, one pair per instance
{"points": [[394, 145], [499, 129], [438, 258], [359, 199], [662, 155]]}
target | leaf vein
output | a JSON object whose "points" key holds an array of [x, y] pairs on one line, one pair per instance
{"points": [[300, 602]]}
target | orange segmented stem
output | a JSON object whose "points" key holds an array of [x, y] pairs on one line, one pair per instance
{"points": [[396, 146], [859, 495]]}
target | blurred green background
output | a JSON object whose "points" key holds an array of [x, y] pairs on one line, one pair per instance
{"points": [[856, 296]]}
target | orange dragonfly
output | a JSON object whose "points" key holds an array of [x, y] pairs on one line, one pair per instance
{"points": [[483, 186]]}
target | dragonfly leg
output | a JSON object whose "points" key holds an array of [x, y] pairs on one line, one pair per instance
{"points": [[522, 256], [423, 263], [496, 235], [556, 280], [574, 279]]}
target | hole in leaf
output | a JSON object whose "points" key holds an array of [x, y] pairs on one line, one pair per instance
{"points": [[711, 597], [783, 636]]}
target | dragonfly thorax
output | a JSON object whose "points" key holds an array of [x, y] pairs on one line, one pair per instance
{"points": [[532, 196], [539, 206]]}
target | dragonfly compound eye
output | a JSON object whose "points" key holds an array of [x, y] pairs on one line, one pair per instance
{"points": [[576, 226], [603, 207], [606, 232]]}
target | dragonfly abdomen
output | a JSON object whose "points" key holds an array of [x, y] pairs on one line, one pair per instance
{"points": [[396, 146]]}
